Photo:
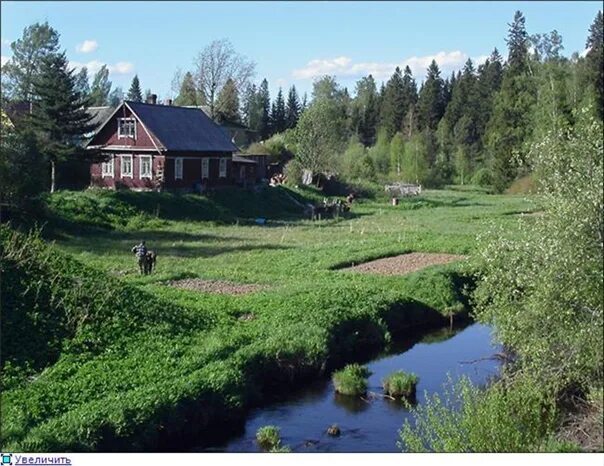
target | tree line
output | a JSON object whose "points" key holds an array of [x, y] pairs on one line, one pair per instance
{"points": [[476, 125]]}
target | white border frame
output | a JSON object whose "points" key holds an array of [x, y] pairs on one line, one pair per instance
{"points": [[207, 168], [111, 163], [124, 136], [178, 176], [140, 166], [131, 174]]}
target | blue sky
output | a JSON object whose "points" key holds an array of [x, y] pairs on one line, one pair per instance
{"points": [[291, 42]]}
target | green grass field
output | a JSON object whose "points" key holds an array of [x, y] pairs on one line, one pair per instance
{"points": [[139, 365]]}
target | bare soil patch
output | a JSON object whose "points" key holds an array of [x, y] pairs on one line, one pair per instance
{"points": [[215, 286], [404, 263]]}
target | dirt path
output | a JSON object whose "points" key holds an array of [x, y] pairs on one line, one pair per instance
{"points": [[215, 286], [404, 263]]}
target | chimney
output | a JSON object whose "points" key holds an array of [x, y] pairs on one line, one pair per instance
{"points": [[169, 102], [152, 99]]}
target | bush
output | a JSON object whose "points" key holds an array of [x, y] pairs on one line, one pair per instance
{"points": [[510, 416], [268, 437], [400, 384], [483, 177], [351, 380]]}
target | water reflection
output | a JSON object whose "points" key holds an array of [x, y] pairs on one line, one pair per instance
{"points": [[372, 425]]}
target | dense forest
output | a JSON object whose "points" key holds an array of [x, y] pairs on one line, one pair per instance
{"points": [[473, 127]]}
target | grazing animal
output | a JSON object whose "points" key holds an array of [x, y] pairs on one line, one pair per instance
{"points": [[150, 261]]}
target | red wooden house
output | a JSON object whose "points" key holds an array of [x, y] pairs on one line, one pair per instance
{"points": [[149, 146]]}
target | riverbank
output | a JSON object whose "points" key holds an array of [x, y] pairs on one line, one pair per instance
{"points": [[140, 366]]}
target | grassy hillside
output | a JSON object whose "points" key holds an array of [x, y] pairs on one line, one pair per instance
{"points": [[135, 364]]}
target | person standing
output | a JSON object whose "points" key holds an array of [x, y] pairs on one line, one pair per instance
{"points": [[141, 256]]}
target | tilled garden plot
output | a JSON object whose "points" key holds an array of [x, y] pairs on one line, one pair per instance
{"points": [[404, 263], [215, 286]]}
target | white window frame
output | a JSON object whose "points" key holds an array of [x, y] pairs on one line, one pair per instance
{"points": [[119, 132], [178, 168], [123, 174], [140, 166], [108, 168], [222, 168], [205, 168]]}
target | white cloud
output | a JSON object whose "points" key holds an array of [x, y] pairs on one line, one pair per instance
{"points": [[584, 53], [344, 66], [93, 66], [3, 60], [87, 46], [4, 42]]}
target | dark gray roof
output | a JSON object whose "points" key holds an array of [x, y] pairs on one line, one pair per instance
{"points": [[182, 128], [240, 159], [99, 115]]}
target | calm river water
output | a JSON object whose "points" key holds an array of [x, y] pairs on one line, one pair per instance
{"points": [[372, 426]]}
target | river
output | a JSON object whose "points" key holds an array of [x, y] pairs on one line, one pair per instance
{"points": [[372, 425]]}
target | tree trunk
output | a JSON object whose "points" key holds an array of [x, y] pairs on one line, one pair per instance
{"points": [[52, 176]]}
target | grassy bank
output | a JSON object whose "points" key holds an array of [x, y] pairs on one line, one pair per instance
{"points": [[138, 365]]}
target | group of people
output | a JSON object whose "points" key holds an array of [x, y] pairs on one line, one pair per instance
{"points": [[146, 258]]}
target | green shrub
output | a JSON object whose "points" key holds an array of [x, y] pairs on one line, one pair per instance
{"points": [[280, 448], [351, 380], [400, 384], [268, 437], [510, 416], [483, 177]]}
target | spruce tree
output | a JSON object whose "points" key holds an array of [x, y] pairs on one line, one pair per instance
{"points": [[431, 104], [594, 61], [394, 106], [517, 42], [264, 103], [278, 123], [187, 95], [227, 103], [134, 93], [101, 87], [292, 109], [365, 111], [59, 118], [511, 123]]}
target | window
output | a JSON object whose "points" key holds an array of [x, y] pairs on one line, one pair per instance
{"points": [[107, 167], [205, 169], [145, 166], [126, 166], [222, 168], [126, 128], [178, 169]]}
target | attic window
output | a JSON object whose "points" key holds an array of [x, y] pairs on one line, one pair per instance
{"points": [[126, 128]]}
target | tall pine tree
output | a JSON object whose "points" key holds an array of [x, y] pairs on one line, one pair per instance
{"points": [[134, 93], [59, 118], [187, 95], [264, 103], [510, 125], [431, 102], [292, 108], [278, 123], [227, 103], [595, 61], [393, 104]]}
